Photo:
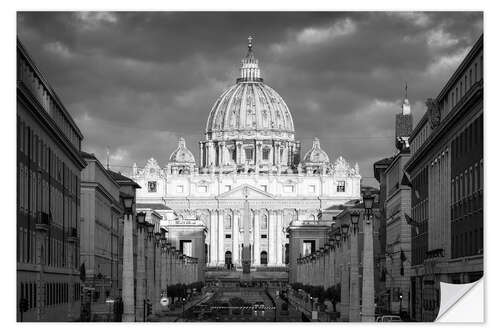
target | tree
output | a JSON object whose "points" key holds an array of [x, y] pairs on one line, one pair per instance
{"points": [[333, 294]]}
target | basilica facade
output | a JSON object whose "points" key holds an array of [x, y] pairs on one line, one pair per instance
{"points": [[251, 181]]}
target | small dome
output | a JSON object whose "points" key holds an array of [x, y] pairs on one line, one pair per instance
{"points": [[316, 155], [182, 154]]}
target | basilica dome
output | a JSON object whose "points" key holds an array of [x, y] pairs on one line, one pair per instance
{"points": [[250, 108], [316, 155], [182, 155]]}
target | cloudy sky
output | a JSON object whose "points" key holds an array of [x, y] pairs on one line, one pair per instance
{"points": [[134, 82]]}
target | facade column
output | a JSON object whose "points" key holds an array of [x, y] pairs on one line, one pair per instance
{"points": [[239, 152], [235, 238], [220, 226], [211, 153], [272, 238], [201, 154], [141, 275], [128, 270], [223, 153], [41, 260], [279, 238], [213, 238], [256, 238], [258, 153]]}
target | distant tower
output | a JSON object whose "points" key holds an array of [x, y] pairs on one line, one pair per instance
{"points": [[404, 124]]}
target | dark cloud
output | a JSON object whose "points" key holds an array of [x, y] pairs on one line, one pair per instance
{"points": [[136, 81]]}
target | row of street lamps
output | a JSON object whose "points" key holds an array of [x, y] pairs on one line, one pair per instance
{"points": [[318, 268], [170, 266]]}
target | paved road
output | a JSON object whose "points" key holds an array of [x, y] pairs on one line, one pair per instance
{"points": [[219, 309]]}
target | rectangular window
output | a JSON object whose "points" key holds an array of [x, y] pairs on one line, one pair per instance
{"points": [[227, 188], [341, 186], [152, 186], [308, 247], [228, 235], [311, 189], [263, 236], [288, 189], [179, 189], [263, 188], [265, 154], [203, 189], [249, 154]]}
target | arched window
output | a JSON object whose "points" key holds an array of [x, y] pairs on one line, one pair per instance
{"points": [[227, 222], [263, 258], [263, 223], [312, 217]]}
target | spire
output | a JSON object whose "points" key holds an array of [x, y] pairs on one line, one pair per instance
{"points": [[249, 70], [107, 157], [404, 123], [405, 106]]}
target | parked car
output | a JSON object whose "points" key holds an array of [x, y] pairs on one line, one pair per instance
{"points": [[388, 318]]}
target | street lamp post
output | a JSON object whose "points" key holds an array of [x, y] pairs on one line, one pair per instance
{"points": [[128, 261], [368, 304], [150, 254], [344, 302], [157, 271], [354, 315], [141, 267]]}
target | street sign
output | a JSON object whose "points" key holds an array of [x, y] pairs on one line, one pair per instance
{"points": [[314, 315], [164, 301]]}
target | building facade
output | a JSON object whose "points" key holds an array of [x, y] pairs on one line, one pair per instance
{"points": [[250, 182], [446, 175], [48, 200], [101, 233], [396, 203]]}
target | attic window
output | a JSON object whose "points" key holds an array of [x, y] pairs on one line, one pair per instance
{"points": [[341, 186]]}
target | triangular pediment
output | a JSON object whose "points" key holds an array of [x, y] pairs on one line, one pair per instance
{"points": [[250, 191]]}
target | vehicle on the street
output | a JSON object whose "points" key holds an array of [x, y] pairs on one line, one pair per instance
{"points": [[388, 318]]}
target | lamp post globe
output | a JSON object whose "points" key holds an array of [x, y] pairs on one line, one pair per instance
{"points": [[354, 218], [141, 218], [128, 203], [150, 227], [368, 201], [345, 229]]}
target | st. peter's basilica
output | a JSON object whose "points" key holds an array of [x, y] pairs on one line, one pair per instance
{"points": [[250, 182]]}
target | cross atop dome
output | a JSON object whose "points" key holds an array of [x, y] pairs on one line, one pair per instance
{"points": [[250, 43]]}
